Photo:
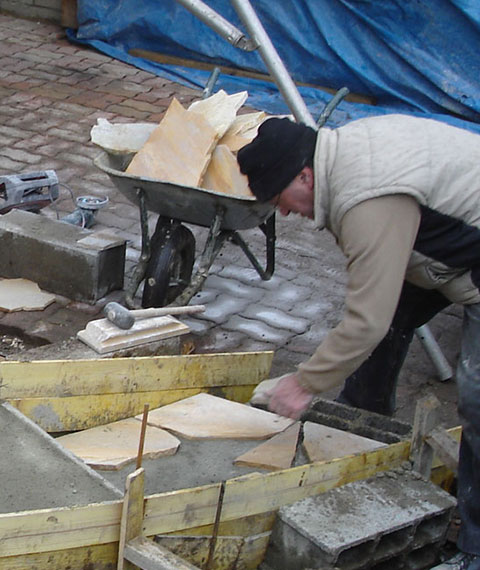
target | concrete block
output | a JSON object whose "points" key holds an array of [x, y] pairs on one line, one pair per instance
{"points": [[394, 520], [61, 258], [357, 421]]}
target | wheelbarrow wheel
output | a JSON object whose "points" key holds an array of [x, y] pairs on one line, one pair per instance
{"points": [[171, 264]]}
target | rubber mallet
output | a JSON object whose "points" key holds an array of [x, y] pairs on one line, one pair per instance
{"points": [[125, 318]]}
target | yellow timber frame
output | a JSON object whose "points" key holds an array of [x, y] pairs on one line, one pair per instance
{"points": [[79, 394]]}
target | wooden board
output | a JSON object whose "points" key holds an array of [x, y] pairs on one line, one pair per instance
{"points": [[66, 378], [172, 60], [178, 150], [276, 453], [114, 445], [23, 295], [69, 14], [223, 174], [88, 535], [65, 395], [75, 527], [207, 417], [323, 443]]}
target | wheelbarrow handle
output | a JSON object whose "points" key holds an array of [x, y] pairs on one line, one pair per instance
{"points": [[339, 95]]}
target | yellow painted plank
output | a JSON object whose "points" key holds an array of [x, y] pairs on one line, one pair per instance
{"points": [[61, 529], [257, 493], [65, 378], [52, 529], [247, 526], [83, 412], [101, 557]]}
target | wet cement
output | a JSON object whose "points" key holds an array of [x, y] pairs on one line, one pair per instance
{"points": [[196, 463], [37, 473]]}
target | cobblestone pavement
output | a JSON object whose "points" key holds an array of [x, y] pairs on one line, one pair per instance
{"points": [[52, 93]]}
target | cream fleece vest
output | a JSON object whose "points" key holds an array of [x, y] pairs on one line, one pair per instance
{"points": [[437, 164]]}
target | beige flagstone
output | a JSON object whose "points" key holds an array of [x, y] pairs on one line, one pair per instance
{"points": [[114, 445], [23, 295], [220, 109], [204, 416], [322, 443], [178, 150], [276, 453], [242, 131], [223, 174]]}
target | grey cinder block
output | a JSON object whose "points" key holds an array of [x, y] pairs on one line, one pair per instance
{"points": [[396, 520]]}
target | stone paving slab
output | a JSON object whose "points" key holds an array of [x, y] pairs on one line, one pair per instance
{"points": [[52, 93]]}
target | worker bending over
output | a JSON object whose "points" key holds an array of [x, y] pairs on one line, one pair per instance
{"points": [[401, 195]]}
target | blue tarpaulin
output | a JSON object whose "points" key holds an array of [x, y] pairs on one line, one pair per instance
{"points": [[410, 56]]}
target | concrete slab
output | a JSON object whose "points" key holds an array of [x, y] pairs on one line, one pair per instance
{"points": [[37, 473]]}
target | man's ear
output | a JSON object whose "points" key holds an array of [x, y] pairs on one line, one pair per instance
{"points": [[306, 175]]}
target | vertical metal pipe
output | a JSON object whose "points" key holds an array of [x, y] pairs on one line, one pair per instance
{"points": [[273, 62], [431, 347]]}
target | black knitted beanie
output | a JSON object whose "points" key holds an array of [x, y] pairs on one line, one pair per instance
{"points": [[276, 155]]}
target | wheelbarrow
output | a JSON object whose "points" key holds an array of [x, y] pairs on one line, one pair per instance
{"points": [[167, 257]]}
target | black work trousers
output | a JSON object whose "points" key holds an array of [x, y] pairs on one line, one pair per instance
{"points": [[373, 386]]}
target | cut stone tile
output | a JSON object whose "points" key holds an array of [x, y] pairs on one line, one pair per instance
{"points": [[242, 131], [322, 443], [220, 109], [276, 453], [178, 150], [23, 295], [115, 445], [223, 174], [121, 138], [208, 417]]}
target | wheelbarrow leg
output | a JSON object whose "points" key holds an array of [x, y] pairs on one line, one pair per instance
{"points": [[213, 245], [141, 267], [268, 228]]}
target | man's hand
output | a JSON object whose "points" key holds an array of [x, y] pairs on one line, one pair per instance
{"points": [[289, 398]]}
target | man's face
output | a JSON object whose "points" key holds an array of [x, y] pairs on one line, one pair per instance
{"points": [[297, 197]]}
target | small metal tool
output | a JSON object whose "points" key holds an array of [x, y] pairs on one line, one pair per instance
{"points": [[28, 191], [125, 318]]}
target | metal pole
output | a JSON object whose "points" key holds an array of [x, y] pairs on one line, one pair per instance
{"points": [[431, 347], [273, 62], [218, 23]]}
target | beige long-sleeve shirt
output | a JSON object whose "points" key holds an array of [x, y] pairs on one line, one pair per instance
{"points": [[377, 237]]}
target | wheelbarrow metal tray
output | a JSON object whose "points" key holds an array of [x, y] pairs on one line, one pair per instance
{"points": [[188, 204]]}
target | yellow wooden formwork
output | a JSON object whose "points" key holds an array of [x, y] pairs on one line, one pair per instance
{"points": [[70, 395], [86, 537]]}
